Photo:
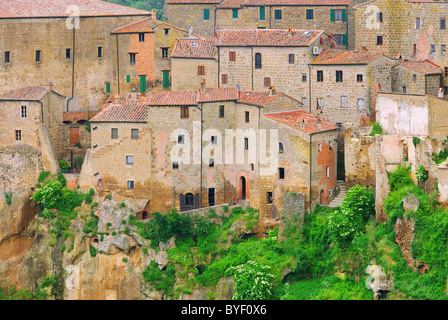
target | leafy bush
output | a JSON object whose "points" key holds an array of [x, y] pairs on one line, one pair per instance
{"points": [[62, 179], [415, 141], [400, 178], [63, 164], [421, 173], [43, 175], [109, 197], [14, 294], [92, 251], [160, 280], [8, 198], [78, 144], [376, 129]]}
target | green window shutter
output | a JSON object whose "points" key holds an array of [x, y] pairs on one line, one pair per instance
{"points": [[142, 84], [166, 79], [108, 87], [235, 13], [128, 79], [344, 39], [206, 14], [344, 15], [262, 13], [332, 14]]}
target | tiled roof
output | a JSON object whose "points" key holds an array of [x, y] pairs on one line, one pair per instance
{"points": [[257, 98], [302, 120], [335, 56], [172, 98], [422, 66], [201, 48], [218, 94], [145, 25], [63, 8], [127, 111], [239, 3], [25, 94], [193, 1], [267, 37]]}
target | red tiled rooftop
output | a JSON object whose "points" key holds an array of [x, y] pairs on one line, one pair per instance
{"points": [[145, 25], [302, 120], [61, 8], [422, 66], [172, 98], [239, 3], [335, 56], [200, 48], [257, 98], [126, 111], [25, 94], [218, 94], [193, 1], [267, 37]]}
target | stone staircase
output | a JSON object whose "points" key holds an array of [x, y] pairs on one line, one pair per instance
{"points": [[337, 201]]}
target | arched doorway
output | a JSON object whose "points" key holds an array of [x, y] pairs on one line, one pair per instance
{"points": [[189, 201], [243, 188], [322, 197]]}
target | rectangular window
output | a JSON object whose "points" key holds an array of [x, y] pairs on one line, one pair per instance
{"points": [[320, 76], [201, 70], [337, 15], [221, 111], [319, 147], [211, 163], [339, 76], [291, 58], [206, 14], [38, 55], [343, 101], [442, 23], [175, 165], [304, 102], [235, 13], [417, 23], [100, 52], [181, 139], [131, 185], [23, 111], [224, 78], [269, 197], [309, 14], [132, 58], [339, 125], [443, 49], [211, 197], [379, 17], [164, 53], [184, 112], [303, 77], [129, 159], [114, 133], [359, 78], [108, 87], [134, 134], [246, 143], [414, 77], [246, 116], [278, 14], [320, 103], [141, 37], [18, 135], [7, 57], [433, 49], [414, 49], [360, 103], [128, 79], [404, 89], [232, 55], [262, 13], [68, 54], [281, 173], [267, 82], [214, 139], [338, 39], [379, 40], [100, 182], [327, 171]]}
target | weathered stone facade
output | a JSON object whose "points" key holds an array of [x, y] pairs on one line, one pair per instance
{"points": [[185, 75], [406, 80]]}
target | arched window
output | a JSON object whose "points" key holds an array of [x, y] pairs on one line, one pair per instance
{"points": [[258, 61], [189, 201]]}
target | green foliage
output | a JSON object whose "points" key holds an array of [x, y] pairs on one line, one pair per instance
{"points": [[78, 144], [125, 260], [415, 141], [91, 193], [109, 197], [376, 129], [43, 175], [400, 178], [252, 281], [225, 208], [160, 280], [421, 173], [78, 161], [62, 179], [14, 294], [92, 251], [8, 198], [91, 226], [63, 164], [122, 205], [440, 157], [147, 5]]}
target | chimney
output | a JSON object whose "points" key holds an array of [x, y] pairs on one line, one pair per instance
{"points": [[153, 14], [441, 94], [301, 124], [272, 91], [117, 99], [202, 90], [49, 86], [290, 32], [133, 95]]}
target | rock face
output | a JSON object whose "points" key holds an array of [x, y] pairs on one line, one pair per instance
{"points": [[404, 229], [378, 281]]}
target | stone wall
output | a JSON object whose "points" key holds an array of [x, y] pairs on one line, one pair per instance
{"points": [[186, 15], [184, 74]]}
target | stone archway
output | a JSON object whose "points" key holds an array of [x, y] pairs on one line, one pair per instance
{"points": [[243, 190]]}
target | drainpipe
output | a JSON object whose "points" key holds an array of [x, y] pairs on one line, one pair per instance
{"points": [[311, 162], [200, 178], [219, 69], [73, 67], [252, 66], [270, 17], [309, 86], [214, 22], [118, 64], [42, 110], [346, 27]]}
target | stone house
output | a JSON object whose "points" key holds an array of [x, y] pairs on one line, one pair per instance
{"points": [[257, 59], [344, 84], [67, 43], [206, 17], [419, 77], [142, 55], [410, 29], [194, 64]]}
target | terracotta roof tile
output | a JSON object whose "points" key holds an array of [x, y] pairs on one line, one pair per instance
{"points": [[257, 98], [267, 37], [193, 1], [145, 25], [422, 66], [126, 111], [302, 120], [172, 98], [335, 56], [200, 48], [25, 94], [240, 3], [218, 94], [61, 8]]}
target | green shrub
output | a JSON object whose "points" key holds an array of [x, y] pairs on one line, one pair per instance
{"points": [[376, 129], [109, 197], [63, 164], [78, 144], [122, 205], [91, 192], [62, 179], [92, 251], [160, 280], [400, 178], [43, 175], [415, 141], [225, 208], [8, 198], [125, 260], [421, 173]]}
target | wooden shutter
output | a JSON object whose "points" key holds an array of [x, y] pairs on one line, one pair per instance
{"points": [[224, 78], [344, 39], [262, 13], [196, 200], [332, 14], [344, 15], [201, 70], [182, 202]]}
